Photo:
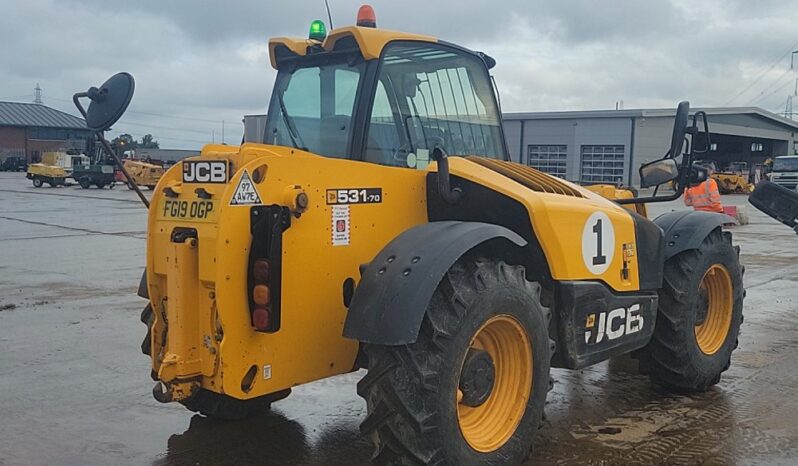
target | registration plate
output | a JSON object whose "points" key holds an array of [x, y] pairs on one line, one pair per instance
{"points": [[200, 210]]}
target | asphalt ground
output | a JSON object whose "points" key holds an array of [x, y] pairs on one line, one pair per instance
{"points": [[75, 388]]}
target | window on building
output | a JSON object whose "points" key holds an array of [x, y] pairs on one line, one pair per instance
{"points": [[602, 164], [757, 147], [550, 159], [795, 147], [713, 147]]}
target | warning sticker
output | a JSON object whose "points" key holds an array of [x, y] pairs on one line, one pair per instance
{"points": [[340, 225], [245, 193]]}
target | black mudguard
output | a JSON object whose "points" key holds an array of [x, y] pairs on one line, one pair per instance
{"points": [[390, 301], [686, 229]]}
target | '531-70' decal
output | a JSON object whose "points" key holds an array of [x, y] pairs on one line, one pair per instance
{"points": [[354, 196]]}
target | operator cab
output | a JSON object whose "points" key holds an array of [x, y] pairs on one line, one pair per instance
{"points": [[362, 94]]}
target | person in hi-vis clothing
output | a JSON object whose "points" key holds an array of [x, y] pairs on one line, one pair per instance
{"points": [[704, 196]]}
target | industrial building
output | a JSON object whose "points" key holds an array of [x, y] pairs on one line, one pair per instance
{"points": [[608, 146], [28, 130]]}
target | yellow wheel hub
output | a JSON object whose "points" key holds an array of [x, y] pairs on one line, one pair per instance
{"points": [[716, 286], [488, 426]]}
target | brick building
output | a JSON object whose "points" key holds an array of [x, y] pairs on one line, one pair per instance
{"points": [[28, 130]]}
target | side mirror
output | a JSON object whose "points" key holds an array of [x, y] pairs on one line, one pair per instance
{"points": [[679, 128], [776, 201], [658, 172]]}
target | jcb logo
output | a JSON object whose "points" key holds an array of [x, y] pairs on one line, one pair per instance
{"points": [[205, 171], [613, 324]]}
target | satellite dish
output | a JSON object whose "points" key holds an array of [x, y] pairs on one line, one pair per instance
{"points": [[109, 101]]}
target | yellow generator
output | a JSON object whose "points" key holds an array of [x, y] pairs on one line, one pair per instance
{"points": [[40, 173], [143, 173], [381, 225]]}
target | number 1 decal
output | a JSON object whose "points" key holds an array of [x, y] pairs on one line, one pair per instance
{"points": [[599, 258], [598, 243]]}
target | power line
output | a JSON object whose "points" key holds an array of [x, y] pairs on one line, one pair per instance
{"points": [[762, 75], [777, 90], [768, 87]]}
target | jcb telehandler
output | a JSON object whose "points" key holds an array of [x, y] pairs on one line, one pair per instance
{"points": [[381, 225]]}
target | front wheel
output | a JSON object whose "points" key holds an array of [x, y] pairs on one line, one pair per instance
{"points": [[471, 389], [699, 316], [84, 182]]}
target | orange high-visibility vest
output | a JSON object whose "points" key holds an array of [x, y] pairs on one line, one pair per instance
{"points": [[704, 196]]}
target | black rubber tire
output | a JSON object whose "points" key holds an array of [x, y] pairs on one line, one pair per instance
{"points": [[37, 182], [84, 183], [148, 319], [673, 359], [410, 389], [100, 185], [226, 408]]}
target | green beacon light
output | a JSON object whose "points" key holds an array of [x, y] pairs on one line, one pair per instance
{"points": [[317, 30]]}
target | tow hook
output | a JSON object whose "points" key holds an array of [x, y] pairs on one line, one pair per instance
{"points": [[162, 392]]}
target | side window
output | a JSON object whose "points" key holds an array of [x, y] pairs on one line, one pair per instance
{"points": [[383, 138], [441, 97], [345, 91]]}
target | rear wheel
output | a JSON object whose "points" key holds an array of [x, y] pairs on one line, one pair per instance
{"points": [[37, 182], [471, 389], [699, 317], [84, 182]]}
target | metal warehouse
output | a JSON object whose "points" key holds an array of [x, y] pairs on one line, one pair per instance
{"points": [[28, 130], [608, 146]]}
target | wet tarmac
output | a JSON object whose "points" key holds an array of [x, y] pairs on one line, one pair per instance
{"points": [[75, 388]]}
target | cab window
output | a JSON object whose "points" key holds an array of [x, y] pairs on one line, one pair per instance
{"points": [[427, 96]]}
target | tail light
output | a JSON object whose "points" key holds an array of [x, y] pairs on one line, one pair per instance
{"points": [[260, 295]]}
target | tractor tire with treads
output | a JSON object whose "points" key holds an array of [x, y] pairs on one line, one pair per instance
{"points": [[699, 317], [471, 388]]}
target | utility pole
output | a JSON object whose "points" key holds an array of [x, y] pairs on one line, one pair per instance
{"points": [[788, 110], [37, 94]]}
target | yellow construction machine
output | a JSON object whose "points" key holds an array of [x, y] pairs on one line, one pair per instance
{"points": [[380, 225], [143, 173]]}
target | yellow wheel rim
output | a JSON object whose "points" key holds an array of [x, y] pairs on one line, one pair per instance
{"points": [[488, 426], [711, 333]]}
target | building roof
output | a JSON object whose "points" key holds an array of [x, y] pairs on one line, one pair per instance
{"points": [[650, 112], [25, 114]]}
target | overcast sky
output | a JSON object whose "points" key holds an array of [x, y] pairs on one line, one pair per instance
{"points": [[199, 62]]}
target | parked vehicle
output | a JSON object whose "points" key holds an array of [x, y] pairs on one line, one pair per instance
{"points": [[13, 163], [41, 173], [785, 171]]}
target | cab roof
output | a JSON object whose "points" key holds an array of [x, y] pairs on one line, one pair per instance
{"points": [[370, 42]]}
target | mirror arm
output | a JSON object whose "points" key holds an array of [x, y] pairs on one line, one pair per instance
{"points": [[449, 195]]}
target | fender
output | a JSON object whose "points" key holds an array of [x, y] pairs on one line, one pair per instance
{"points": [[390, 301], [686, 229]]}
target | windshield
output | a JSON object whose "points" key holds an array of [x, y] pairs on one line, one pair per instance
{"points": [[785, 164], [430, 95], [312, 106]]}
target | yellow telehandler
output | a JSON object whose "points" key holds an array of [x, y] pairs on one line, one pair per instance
{"points": [[380, 225]]}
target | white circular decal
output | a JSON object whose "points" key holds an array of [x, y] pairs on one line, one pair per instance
{"points": [[411, 160], [598, 243]]}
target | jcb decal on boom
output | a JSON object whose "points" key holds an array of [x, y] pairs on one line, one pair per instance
{"points": [[613, 324]]}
